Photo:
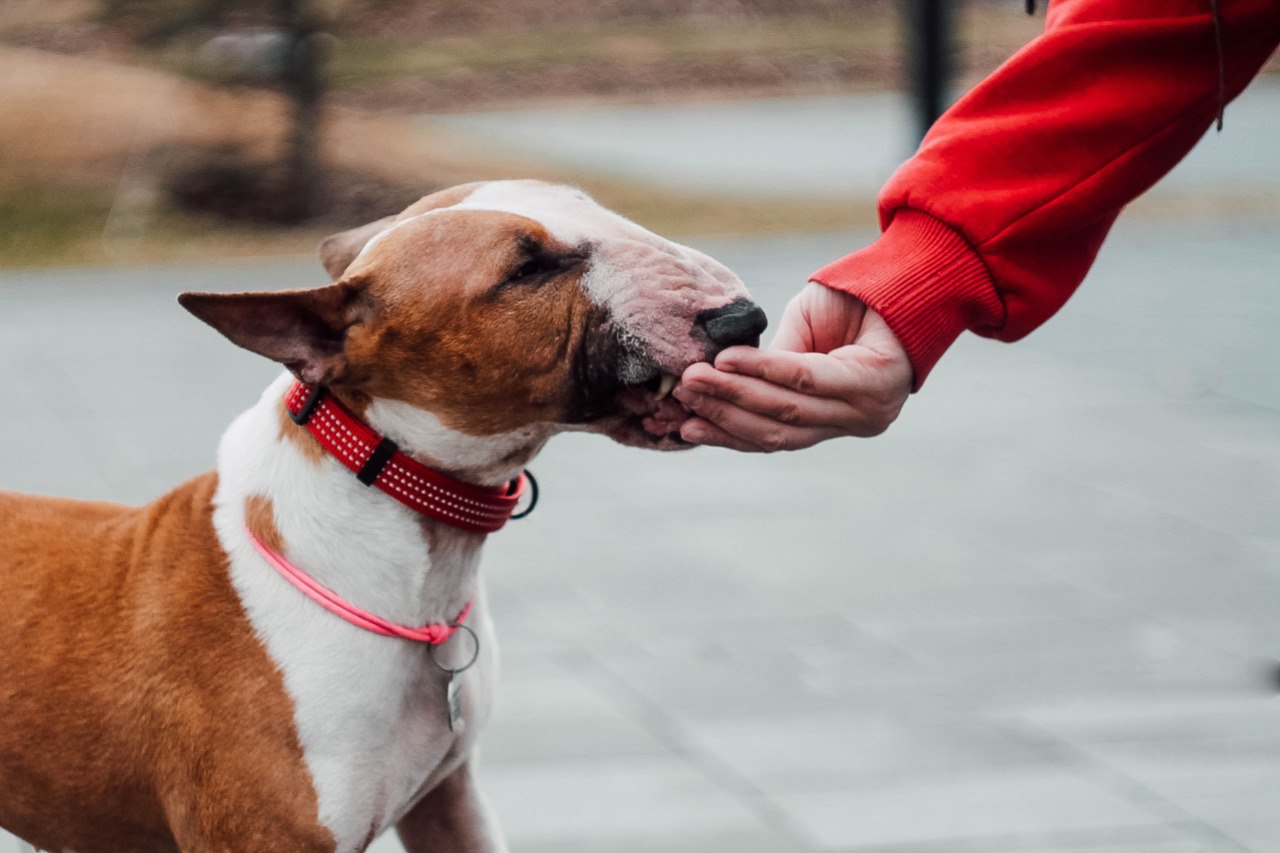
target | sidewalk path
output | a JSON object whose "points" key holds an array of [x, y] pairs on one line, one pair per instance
{"points": [[1039, 615], [843, 146]]}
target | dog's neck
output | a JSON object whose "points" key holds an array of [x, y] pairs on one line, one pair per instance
{"points": [[367, 547]]}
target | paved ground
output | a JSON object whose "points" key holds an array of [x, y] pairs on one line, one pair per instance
{"points": [[836, 145], [1040, 614]]}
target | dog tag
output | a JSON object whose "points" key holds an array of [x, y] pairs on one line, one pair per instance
{"points": [[453, 695], [453, 692]]}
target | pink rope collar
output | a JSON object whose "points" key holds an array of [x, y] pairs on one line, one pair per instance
{"points": [[328, 599]]}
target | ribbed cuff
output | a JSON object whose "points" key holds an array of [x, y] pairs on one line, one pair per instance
{"points": [[924, 280]]}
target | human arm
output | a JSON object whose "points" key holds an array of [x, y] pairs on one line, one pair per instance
{"points": [[994, 223]]}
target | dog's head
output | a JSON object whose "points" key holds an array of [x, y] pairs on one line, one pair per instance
{"points": [[497, 307]]}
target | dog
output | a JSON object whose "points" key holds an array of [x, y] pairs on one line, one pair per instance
{"points": [[293, 652]]}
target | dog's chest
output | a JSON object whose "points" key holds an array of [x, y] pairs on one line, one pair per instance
{"points": [[374, 751], [371, 712], [372, 718]]}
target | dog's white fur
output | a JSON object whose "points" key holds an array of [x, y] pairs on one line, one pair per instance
{"points": [[370, 712], [632, 269]]}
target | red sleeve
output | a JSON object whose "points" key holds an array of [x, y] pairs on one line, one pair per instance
{"points": [[995, 221]]}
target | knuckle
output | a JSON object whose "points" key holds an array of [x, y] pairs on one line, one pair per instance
{"points": [[882, 406], [802, 380], [891, 407], [882, 401], [788, 413], [729, 391], [871, 425], [775, 440], [891, 399], [710, 407]]}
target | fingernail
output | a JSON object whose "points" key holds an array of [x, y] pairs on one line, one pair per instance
{"points": [[692, 399], [693, 434]]}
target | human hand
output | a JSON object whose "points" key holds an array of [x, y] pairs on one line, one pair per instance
{"points": [[834, 369]]}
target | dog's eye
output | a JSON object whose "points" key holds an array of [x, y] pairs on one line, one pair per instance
{"points": [[539, 266]]}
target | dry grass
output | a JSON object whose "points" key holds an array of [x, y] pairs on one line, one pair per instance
{"points": [[367, 60], [78, 138]]}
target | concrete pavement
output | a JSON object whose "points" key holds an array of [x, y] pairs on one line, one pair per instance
{"points": [[1040, 614], [835, 145]]}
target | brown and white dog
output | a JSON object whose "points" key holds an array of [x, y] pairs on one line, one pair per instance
{"points": [[161, 688]]}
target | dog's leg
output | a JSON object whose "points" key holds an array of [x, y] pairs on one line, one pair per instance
{"points": [[455, 816]]}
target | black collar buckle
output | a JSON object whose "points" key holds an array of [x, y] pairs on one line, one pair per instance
{"points": [[314, 398]]}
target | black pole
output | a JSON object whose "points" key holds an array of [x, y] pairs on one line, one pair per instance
{"points": [[929, 48], [302, 79]]}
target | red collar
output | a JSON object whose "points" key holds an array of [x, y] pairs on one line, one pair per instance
{"points": [[377, 461]]}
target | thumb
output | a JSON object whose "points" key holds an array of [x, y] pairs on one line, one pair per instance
{"points": [[820, 319], [876, 335], [794, 333]]}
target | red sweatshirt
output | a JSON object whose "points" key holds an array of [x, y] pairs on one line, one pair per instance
{"points": [[992, 225]]}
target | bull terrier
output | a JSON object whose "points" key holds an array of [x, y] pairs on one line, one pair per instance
{"points": [[293, 652]]}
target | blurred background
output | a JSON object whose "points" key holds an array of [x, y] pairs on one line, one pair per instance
{"points": [[150, 129], [1038, 615]]}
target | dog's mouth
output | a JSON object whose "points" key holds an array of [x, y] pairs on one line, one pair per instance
{"points": [[652, 405], [645, 414]]}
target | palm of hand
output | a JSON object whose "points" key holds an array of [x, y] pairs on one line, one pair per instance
{"points": [[835, 368]]}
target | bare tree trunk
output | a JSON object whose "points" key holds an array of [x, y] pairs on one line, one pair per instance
{"points": [[303, 82]]}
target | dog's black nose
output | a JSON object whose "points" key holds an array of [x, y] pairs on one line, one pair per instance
{"points": [[737, 324]]}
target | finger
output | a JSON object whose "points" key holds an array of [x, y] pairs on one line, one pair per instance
{"points": [[764, 433], [841, 418], [702, 431], [807, 372], [775, 402]]}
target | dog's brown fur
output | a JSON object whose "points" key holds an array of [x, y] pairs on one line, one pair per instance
{"points": [[420, 320], [152, 650], [138, 708], [152, 640], [448, 349]]}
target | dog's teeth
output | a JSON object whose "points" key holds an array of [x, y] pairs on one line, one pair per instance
{"points": [[664, 387]]}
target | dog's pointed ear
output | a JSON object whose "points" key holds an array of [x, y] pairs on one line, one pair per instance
{"points": [[339, 250], [305, 330]]}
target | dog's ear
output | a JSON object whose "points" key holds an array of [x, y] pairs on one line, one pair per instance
{"points": [[339, 250], [305, 330]]}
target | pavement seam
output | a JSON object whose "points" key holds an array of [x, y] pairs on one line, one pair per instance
{"points": [[650, 716], [1065, 754]]}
